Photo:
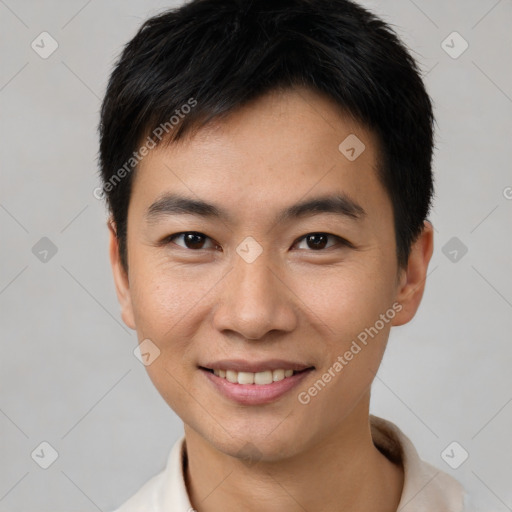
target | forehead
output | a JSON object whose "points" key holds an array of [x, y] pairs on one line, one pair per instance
{"points": [[280, 148]]}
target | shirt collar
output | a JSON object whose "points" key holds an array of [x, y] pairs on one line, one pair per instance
{"points": [[426, 487]]}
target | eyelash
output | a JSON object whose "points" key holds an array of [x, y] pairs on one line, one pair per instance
{"points": [[340, 241]]}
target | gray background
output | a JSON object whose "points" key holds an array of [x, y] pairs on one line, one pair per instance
{"points": [[68, 374]]}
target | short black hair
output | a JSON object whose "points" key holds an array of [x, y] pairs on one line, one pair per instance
{"points": [[206, 58]]}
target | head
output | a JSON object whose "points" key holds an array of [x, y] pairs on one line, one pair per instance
{"points": [[267, 167]]}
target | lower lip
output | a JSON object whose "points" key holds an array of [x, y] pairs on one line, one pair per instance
{"points": [[256, 394]]}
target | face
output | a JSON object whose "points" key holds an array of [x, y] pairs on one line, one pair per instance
{"points": [[257, 249]]}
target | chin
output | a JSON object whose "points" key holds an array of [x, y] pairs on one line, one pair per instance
{"points": [[262, 442]]}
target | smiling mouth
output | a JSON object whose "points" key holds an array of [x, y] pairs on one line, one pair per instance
{"points": [[258, 379]]}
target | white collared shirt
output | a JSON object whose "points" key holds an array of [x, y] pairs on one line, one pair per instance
{"points": [[426, 488]]}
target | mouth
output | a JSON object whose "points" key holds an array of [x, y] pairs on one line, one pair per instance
{"points": [[262, 378], [255, 383]]}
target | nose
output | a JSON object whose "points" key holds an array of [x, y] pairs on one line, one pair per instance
{"points": [[254, 300]]}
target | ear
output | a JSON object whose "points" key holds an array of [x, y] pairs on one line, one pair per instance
{"points": [[120, 278], [412, 278]]}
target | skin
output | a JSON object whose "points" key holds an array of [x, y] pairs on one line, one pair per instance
{"points": [[293, 302]]}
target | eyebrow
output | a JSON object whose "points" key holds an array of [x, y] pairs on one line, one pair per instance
{"points": [[175, 204]]}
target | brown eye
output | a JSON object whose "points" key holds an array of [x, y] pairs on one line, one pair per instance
{"points": [[191, 240], [319, 241]]}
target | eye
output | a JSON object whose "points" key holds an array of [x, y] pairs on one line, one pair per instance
{"points": [[318, 241], [196, 241], [191, 240]]}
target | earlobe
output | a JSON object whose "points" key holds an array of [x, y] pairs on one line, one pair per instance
{"points": [[412, 280], [120, 278]]}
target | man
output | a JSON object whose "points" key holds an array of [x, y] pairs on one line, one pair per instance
{"points": [[267, 166]]}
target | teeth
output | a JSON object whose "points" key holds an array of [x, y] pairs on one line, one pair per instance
{"points": [[263, 377], [245, 378], [232, 376], [278, 375], [260, 378]]}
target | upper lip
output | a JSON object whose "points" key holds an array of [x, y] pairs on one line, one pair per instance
{"points": [[241, 365]]}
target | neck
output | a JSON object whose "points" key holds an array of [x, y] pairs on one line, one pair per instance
{"points": [[342, 471]]}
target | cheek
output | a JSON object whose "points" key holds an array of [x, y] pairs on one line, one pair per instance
{"points": [[171, 303], [163, 295], [163, 301], [348, 304], [346, 300], [352, 345]]}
